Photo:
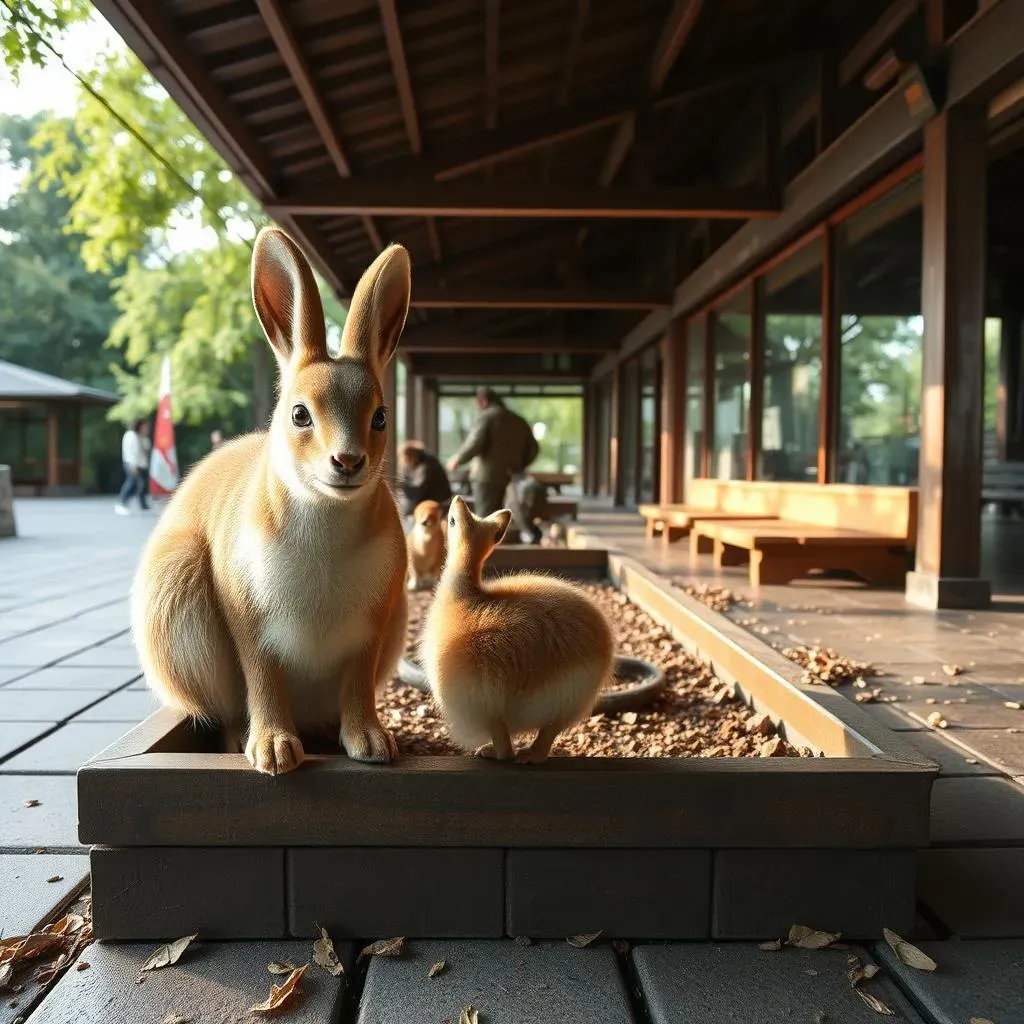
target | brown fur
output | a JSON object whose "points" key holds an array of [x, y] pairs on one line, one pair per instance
{"points": [[520, 654], [426, 544], [272, 587]]}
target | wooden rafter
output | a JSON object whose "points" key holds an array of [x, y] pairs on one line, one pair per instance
{"points": [[492, 29], [400, 70], [473, 199], [673, 38], [572, 53], [485, 296], [273, 14], [416, 340]]}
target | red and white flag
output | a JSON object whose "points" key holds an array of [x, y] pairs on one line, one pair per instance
{"points": [[163, 462]]}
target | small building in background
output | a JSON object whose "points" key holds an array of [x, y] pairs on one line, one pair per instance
{"points": [[41, 429]]}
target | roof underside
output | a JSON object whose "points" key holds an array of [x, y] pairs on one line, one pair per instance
{"points": [[550, 164], [18, 383]]}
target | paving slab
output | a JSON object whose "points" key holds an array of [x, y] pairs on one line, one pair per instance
{"points": [[359, 891], [651, 894], [104, 657], [1003, 747], [14, 735], [44, 705], [975, 893], [67, 749], [27, 898], [123, 706], [952, 758], [213, 982], [221, 892], [758, 894], [977, 812], [738, 983], [52, 825], [65, 677], [8, 675], [975, 979], [507, 983], [978, 713]]}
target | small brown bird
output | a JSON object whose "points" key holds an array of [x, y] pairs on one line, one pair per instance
{"points": [[426, 545], [522, 654]]}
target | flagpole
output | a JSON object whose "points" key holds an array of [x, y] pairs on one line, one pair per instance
{"points": [[163, 460]]}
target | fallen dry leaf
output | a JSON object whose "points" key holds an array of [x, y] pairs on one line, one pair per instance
{"points": [[67, 925], [56, 878], [280, 994], [469, 1016], [176, 1018], [579, 941], [168, 955], [436, 969], [83, 965], [1013, 705], [908, 952], [952, 670], [629, 717], [5, 974], [875, 1003], [20, 948], [803, 937], [936, 720], [324, 955], [30, 803], [980, 1020], [385, 947], [276, 968], [771, 947]]}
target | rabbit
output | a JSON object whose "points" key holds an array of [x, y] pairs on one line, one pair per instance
{"points": [[427, 545], [521, 654], [272, 587]]}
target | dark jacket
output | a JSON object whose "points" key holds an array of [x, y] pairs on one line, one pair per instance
{"points": [[426, 481], [500, 444]]}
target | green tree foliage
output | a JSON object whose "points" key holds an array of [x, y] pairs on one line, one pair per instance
{"points": [[24, 24]]}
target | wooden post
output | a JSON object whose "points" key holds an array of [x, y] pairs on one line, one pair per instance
{"points": [[587, 440], [831, 359], [755, 372], [428, 414], [1009, 442], [52, 477], [826, 119], [614, 476], [410, 405], [707, 461], [953, 303], [391, 403], [673, 412]]}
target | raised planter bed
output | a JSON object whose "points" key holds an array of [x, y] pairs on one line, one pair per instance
{"points": [[190, 839]]}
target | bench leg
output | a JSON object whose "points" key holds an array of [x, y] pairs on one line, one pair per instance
{"points": [[778, 565], [725, 554], [670, 533], [651, 528]]}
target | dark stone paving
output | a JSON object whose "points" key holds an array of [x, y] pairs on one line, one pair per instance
{"points": [[67, 749], [27, 897], [507, 983], [742, 984], [126, 706], [44, 705], [979, 980], [212, 983], [53, 824], [63, 677]]}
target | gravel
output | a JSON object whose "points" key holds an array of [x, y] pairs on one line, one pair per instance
{"points": [[696, 716]]}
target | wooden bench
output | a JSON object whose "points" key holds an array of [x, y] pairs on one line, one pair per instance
{"points": [[866, 530], [1002, 484], [709, 500], [556, 481]]}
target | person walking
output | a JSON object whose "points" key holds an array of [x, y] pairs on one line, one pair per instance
{"points": [[216, 439], [423, 478], [135, 446], [500, 445]]}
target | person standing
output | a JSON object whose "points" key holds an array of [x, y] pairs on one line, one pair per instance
{"points": [[135, 447], [216, 439], [499, 445]]}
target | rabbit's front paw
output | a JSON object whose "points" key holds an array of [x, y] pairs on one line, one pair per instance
{"points": [[369, 743], [273, 752]]}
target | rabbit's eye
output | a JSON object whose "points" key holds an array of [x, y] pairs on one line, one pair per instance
{"points": [[380, 419], [301, 417], [451, 522]]}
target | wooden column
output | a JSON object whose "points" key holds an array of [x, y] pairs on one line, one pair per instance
{"points": [[614, 447], [755, 374], [52, 476], [831, 359], [1009, 433], [707, 460], [410, 397], [673, 412], [587, 440], [391, 403], [953, 303], [428, 414]]}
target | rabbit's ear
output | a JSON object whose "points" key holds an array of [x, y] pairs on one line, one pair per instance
{"points": [[378, 309], [498, 522], [286, 298]]}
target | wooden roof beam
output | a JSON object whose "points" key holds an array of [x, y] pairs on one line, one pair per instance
{"points": [[416, 340], [566, 202], [273, 14], [400, 71], [674, 35], [572, 53], [492, 28], [484, 296]]}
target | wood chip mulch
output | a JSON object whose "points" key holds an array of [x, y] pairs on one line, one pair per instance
{"points": [[696, 716]]}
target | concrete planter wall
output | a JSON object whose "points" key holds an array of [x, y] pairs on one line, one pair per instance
{"points": [[8, 527], [189, 839]]}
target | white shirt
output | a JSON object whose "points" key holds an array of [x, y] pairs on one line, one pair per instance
{"points": [[135, 450]]}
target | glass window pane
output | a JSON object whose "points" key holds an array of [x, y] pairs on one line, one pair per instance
{"points": [[879, 267], [731, 324], [694, 398], [650, 451], [791, 307], [628, 431]]}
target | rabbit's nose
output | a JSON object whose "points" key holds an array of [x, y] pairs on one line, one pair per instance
{"points": [[347, 463]]}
